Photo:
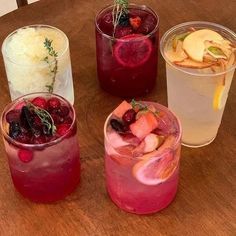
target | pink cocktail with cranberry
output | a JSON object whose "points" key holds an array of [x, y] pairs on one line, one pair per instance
{"points": [[127, 50], [40, 138], [142, 152]]}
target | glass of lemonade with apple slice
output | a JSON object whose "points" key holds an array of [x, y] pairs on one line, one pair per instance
{"points": [[200, 64], [142, 152], [127, 45]]}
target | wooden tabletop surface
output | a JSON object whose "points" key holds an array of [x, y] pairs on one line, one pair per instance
{"points": [[206, 200]]}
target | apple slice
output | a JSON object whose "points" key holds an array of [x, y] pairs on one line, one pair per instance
{"points": [[178, 53], [194, 43], [121, 109], [188, 63]]}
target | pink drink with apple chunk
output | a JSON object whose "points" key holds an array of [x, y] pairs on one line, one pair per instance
{"points": [[39, 133], [142, 151], [127, 55]]}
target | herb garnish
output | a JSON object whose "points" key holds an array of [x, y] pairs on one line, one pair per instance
{"points": [[44, 116], [53, 65], [120, 9], [142, 107]]}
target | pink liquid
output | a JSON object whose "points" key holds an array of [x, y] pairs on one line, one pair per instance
{"points": [[126, 191], [53, 169], [120, 78]]}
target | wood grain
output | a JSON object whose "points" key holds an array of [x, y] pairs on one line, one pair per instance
{"points": [[206, 200]]}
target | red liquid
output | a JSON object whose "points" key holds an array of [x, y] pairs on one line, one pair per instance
{"points": [[46, 171], [127, 64]]}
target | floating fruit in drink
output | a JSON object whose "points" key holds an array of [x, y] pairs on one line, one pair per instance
{"points": [[42, 147], [138, 159]]}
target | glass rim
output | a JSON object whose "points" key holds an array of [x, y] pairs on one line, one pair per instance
{"points": [[164, 38], [131, 5], [38, 64], [166, 109], [29, 145]]}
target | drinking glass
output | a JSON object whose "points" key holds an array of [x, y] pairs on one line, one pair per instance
{"points": [[125, 181], [193, 93], [37, 59], [127, 60], [43, 172]]}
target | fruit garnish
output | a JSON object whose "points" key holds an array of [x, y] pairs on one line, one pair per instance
{"points": [[62, 129], [40, 102], [188, 63], [194, 43], [13, 115], [179, 37], [144, 125], [152, 142], [121, 109], [14, 129], [135, 22], [117, 126], [216, 52], [133, 50], [25, 155], [53, 103], [129, 116], [178, 53], [157, 169], [219, 97]]}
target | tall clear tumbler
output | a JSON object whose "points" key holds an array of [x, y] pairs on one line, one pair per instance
{"points": [[198, 95]]}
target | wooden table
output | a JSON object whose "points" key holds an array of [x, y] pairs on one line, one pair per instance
{"points": [[206, 200]]}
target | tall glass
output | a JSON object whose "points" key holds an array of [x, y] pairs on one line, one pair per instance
{"points": [[127, 60], [134, 194], [197, 96], [33, 66], [43, 172]]}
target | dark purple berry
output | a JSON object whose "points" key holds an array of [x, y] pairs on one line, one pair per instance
{"points": [[129, 116], [13, 115], [117, 126], [14, 130]]}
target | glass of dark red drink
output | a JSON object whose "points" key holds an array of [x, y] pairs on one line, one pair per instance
{"points": [[127, 52], [40, 138]]}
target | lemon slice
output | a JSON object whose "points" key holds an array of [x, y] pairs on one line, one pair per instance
{"points": [[218, 100]]}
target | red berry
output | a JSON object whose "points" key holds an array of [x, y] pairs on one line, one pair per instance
{"points": [[63, 111], [129, 116], [135, 22], [13, 115], [25, 155], [62, 129], [40, 102], [57, 119], [68, 120], [53, 103]]}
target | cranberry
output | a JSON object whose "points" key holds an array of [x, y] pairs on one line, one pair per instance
{"points": [[68, 120], [129, 116], [57, 119], [40, 102], [63, 111], [13, 115], [25, 155], [53, 103], [62, 129]]}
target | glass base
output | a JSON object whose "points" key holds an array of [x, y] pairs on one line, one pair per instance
{"points": [[197, 145]]}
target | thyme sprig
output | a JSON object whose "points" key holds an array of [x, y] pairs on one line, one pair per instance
{"points": [[44, 116], [120, 8], [142, 107], [53, 65]]}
